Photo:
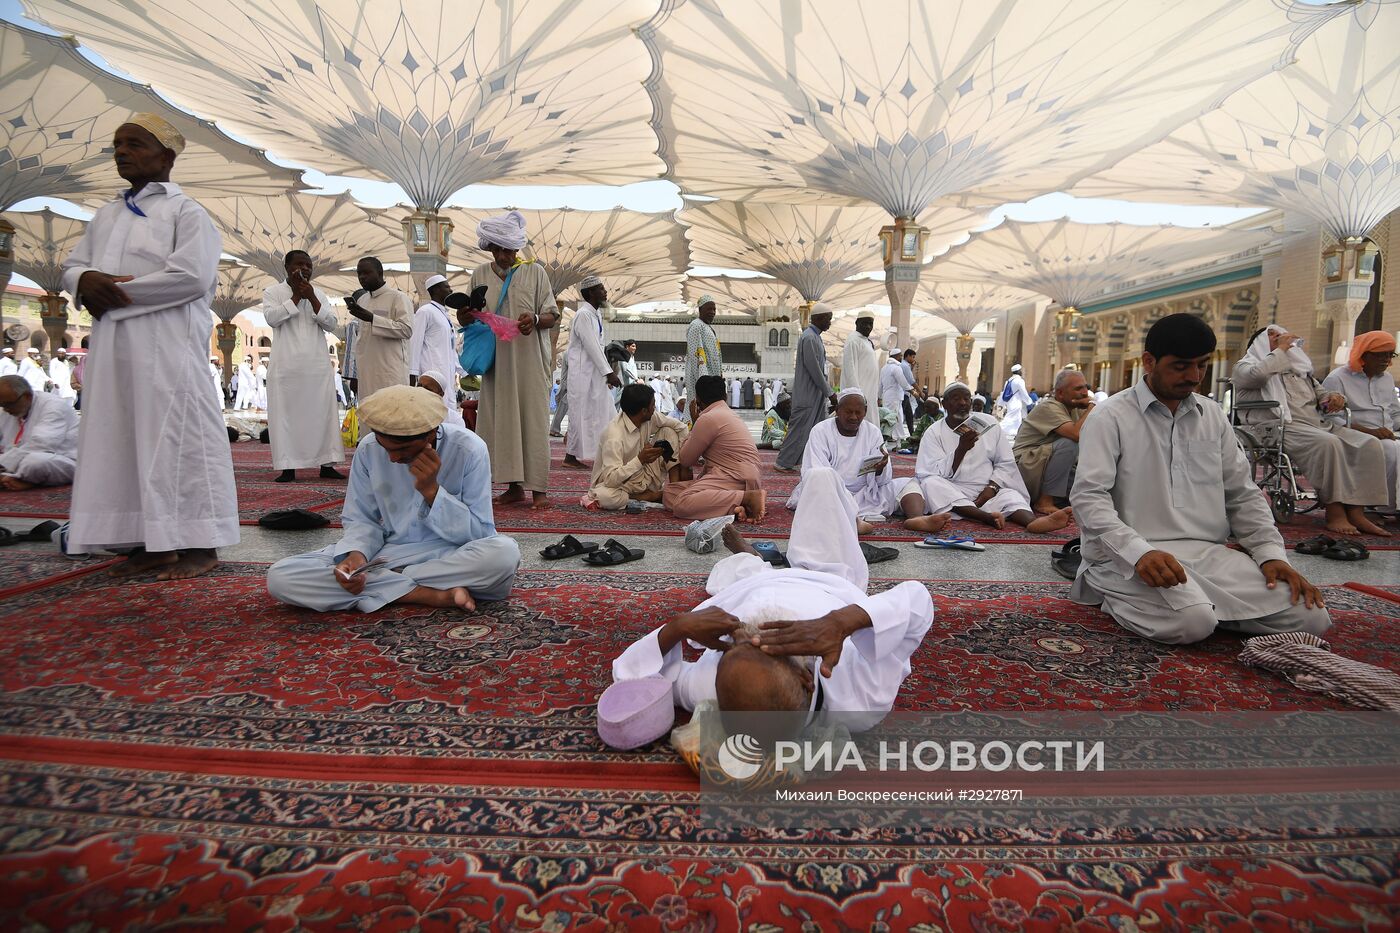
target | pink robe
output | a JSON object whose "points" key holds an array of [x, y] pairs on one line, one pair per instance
{"points": [[731, 466]]}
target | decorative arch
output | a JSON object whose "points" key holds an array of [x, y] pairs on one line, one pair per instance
{"points": [[265, 342], [38, 339], [773, 337], [1241, 315], [783, 338], [1017, 345]]}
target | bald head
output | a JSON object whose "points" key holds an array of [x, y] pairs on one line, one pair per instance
{"points": [[16, 395], [749, 681]]}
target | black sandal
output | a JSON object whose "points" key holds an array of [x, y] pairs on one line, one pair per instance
{"points": [[1316, 545], [613, 553], [568, 546], [1346, 551], [1066, 562], [877, 555]]}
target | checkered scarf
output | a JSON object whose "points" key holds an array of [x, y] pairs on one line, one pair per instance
{"points": [[1307, 661]]}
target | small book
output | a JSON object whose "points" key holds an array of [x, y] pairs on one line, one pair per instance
{"points": [[870, 465]]}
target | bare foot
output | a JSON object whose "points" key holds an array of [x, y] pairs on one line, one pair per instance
{"points": [[1052, 522], [541, 501], [14, 484], [142, 561], [458, 597], [571, 461], [1044, 506], [1366, 526], [996, 519], [734, 539], [192, 563], [753, 504], [1342, 527], [786, 469], [863, 527], [928, 524], [514, 493]]}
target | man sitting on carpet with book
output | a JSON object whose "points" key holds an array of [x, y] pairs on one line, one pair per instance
{"points": [[419, 528], [1162, 486], [806, 639], [636, 453]]}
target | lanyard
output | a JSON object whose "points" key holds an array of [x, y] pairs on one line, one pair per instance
{"points": [[130, 202]]}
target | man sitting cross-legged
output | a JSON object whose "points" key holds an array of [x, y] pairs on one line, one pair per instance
{"points": [[38, 436], [760, 622], [965, 466], [418, 506], [1161, 488], [729, 485], [845, 442], [635, 451], [1046, 446]]}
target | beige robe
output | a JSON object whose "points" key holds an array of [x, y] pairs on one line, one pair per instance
{"points": [[1035, 440], [617, 473], [381, 350], [513, 415]]}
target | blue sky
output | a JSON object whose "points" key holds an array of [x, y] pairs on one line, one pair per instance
{"points": [[662, 195]]}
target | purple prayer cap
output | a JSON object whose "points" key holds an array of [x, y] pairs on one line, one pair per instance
{"points": [[632, 713]]}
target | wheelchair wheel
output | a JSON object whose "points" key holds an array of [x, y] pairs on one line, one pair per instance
{"points": [[1281, 503]]}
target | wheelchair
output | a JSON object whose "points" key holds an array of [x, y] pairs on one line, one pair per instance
{"points": [[1272, 469]]}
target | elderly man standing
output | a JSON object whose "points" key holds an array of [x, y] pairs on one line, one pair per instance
{"points": [[1346, 467], [38, 437], [154, 468], [418, 523], [1162, 487], [965, 466], [591, 377], [61, 375], [431, 348], [513, 416], [32, 372], [381, 344], [1370, 394], [811, 393], [860, 366], [303, 422], [1047, 445], [702, 352], [730, 484], [636, 453]]}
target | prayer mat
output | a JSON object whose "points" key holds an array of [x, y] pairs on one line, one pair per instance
{"points": [[30, 566], [40, 503], [193, 752]]}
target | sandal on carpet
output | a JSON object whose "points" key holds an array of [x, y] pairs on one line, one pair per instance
{"points": [[1066, 562], [612, 553], [8, 537], [878, 555], [1346, 550], [950, 543], [40, 532], [568, 546], [1315, 545], [769, 552]]}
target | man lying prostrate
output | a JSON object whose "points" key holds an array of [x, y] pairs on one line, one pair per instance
{"points": [[1161, 488], [854, 447], [758, 623], [417, 514], [38, 436], [965, 466]]}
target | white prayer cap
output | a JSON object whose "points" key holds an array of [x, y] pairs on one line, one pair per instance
{"points": [[434, 280], [822, 307], [436, 376], [34, 351], [402, 411], [589, 281], [162, 129], [1016, 368], [865, 316], [956, 385], [504, 230], [847, 393], [705, 300], [9, 350], [896, 352]]}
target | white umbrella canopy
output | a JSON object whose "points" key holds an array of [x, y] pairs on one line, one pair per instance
{"points": [[42, 241], [967, 304], [1321, 137], [240, 289], [58, 115], [751, 295], [432, 94], [904, 103], [843, 324], [332, 228]]}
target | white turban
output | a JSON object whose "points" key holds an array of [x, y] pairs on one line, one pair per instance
{"points": [[504, 230], [162, 129], [846, 393]]}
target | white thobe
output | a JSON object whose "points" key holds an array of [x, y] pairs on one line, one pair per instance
{"points": [[450, 543], [827, 573], [8, 367], [768, 397], [990, 459], [61, 375], [154, 466], [1015, 408], [1373, 404], [46, 453], [736, 394], [431, 348], [876, 494], [894, 385], [381, 344], [303, 423], [247, 387], [33, 374], [664, 399], [216, 375], [261, 400], [860, 369], [777, 387], [590, 399]]}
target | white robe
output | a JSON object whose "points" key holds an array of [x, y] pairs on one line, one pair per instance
{"points": [[47, 452], [894, 385], [876, 494], [33, 374], [61, 374], [216, 375], [989, 459], [665, 400], [8, 366], [154, 465], [1016, 408], [431, 349], [303, 423], [860, 369], [590, 399], [247, 387], [736, 394], [260, 399], [769, 398]]}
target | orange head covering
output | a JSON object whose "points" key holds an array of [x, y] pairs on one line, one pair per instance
{"points": [[1370, 342]]}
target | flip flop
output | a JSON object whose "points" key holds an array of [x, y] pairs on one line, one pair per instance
{"points": [[950, 543], [1316, 545], [568, 546], [878, 555], [613, 553], [1346, 551], [769, 552]]}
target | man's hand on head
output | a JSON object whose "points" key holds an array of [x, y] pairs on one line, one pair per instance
{"points": [[823, 636], [1281, 571], [1160, 569], [101, 292], [709, 627], [424, 468]]}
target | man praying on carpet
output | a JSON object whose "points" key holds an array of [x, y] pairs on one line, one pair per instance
{"points": [[1370, 394], [1047, 445], [730, 484], [154, 469], [636, 453], [855, 449], [1161, 488], [1346, 467], [381, 342], [513, 411], [811, 393], [38, 437], [418, 523], [303, 419], [591, 376], [806, 639], [965, 467]]}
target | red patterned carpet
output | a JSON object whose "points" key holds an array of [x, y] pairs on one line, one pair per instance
{"points": [[194, 754]]}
